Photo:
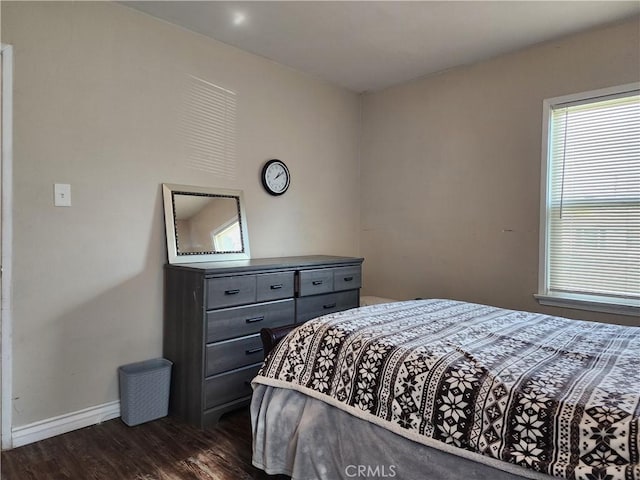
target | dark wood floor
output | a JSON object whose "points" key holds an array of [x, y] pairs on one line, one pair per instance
{"points": [[164, 449]]}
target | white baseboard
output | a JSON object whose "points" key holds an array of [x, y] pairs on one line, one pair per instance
{"points": [[51, 427]]}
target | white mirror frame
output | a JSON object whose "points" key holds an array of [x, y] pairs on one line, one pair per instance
{"points": [[168, 191]]}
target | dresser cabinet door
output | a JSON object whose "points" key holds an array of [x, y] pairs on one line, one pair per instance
{"points": [[314, 282], [312, 307], [239, 321], [273, 286], [347, 278], [229, 386], [232, 354], [229, 291]]}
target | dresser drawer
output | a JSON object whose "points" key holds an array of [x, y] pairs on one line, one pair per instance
{"points": [[240, 321], [228, 291], [314, 282], [347, 278], [231, 354], [229, 386], [312, 307], [273, 286]]}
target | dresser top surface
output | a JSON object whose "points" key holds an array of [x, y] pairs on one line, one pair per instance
{"points": [[275, 263]]}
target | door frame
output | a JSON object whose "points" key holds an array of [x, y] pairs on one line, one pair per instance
{"points": [[6, 237]]}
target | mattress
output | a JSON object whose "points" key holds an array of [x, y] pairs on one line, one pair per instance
{"points": [[555, 396]]}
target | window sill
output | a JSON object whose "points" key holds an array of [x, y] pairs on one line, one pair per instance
{"points": [[592, 303]]}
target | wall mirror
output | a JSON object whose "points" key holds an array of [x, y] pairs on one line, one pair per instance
{"points": [[204, 224]]}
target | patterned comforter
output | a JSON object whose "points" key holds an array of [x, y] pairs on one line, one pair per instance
{"points": [[558, 396]]}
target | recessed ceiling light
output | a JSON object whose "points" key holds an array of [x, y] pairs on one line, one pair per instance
{"points": [[239, 18]]}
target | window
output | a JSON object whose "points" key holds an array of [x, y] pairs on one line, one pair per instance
{"points": [[228, 237], [590, 215]]}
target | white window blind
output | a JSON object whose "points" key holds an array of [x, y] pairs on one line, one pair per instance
{"points": [[593, 198]]}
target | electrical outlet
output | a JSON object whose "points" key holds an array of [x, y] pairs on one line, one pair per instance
{"points": [[62, 195]]}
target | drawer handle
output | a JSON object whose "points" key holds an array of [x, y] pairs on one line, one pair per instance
{"points": [[252, 351], [276, 287], [254, 319], [329, 305], [232, 292], [317, 282], [348, 279]]}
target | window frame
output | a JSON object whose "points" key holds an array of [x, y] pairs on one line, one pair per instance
{"points": [[595, 303], [222, 229]]}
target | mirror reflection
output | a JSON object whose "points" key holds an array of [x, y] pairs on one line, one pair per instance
{"points": [[204, 224], [207, 223]]}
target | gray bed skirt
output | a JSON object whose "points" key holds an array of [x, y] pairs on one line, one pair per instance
{"points": [[308, 439]]}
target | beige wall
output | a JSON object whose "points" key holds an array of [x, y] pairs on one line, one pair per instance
{"points": [[451, 171], [98, 91]]}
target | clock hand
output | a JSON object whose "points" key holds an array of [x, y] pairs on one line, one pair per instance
{"points": [[278, 175]]}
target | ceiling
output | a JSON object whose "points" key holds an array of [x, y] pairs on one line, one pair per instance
{"points": [[368, 46]]}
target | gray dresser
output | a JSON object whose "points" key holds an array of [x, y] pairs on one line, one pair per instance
{"points": [[214, 311]]}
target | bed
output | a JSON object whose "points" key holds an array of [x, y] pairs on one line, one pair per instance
{"points": [[441, 389]]}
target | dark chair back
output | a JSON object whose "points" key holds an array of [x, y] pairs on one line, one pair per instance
{"points": [[271, 336]]}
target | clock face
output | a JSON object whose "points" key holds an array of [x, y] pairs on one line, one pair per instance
{"points": [[275, 177]]}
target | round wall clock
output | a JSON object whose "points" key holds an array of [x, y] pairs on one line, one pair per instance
{"points": [[275, 177]]}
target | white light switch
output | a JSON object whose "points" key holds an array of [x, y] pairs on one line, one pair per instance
{"points": [[62, 195]]}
